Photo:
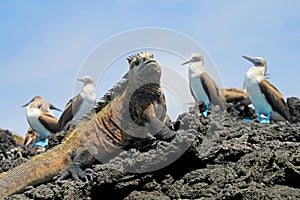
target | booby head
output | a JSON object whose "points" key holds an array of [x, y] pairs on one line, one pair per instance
{"points": [[144, 68], [197, 64], [47, 107], [258, 62], [36, 102], [86, 80]]}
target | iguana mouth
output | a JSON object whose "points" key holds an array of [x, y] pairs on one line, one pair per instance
{"points": [[153, 66], [149, 61], [150, 72]]}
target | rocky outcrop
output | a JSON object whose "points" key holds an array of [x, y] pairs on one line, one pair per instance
{"points": [[228, 159]]}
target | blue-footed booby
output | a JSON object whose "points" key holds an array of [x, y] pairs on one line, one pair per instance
{"points": [[264, 96], [32, 137], [80, 104], [40, 121], [202, 86]]}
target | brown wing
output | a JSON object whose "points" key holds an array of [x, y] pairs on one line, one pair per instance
{"points": [[49, 122], [70, 111], [274, 98], [212, 90]]}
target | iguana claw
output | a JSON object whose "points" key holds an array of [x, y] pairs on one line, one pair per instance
{"points": [[75, 171], [189, 133], [175, 125]]}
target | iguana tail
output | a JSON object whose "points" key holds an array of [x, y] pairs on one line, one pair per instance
{"points": [[40, 168]]}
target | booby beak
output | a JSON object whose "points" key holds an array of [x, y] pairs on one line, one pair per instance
{"points": [[27, 103], [250, 59], [267, 76], [52, 107], [186, 62], [79, 79]]}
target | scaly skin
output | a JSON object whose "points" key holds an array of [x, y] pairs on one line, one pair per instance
{"points": [[40, 168], [136, 112]]}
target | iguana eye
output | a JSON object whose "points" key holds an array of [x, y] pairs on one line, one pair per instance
{"points": [[136, 62]]}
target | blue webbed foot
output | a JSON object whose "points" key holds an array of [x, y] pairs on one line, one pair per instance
{"points": [[247, 120], [205, 113], [40, 142], [264, 120]]}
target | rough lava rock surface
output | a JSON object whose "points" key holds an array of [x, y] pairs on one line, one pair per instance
{"points": [[228, 159], [11, 153]]}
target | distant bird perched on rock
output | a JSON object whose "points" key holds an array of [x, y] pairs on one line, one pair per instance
{"points": [[239, 103], [235, 95], [80, 104], [32, 137], [40, 121], [265, 97], [202, 86]]}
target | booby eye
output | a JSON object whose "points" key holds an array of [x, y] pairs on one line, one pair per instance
{"points": [[257, 62]]}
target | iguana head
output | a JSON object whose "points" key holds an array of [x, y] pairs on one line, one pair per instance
{"points": [[143, 69]]}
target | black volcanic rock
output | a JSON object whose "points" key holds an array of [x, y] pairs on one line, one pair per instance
{"points": [[227, 159], [11, 153], [294, 108]]}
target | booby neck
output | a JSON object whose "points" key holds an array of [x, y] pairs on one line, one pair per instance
{"points": [[88, 92], [256, 73], [196, 68]]}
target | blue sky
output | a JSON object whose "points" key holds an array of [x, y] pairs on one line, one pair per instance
{"points": [[44, 43]]}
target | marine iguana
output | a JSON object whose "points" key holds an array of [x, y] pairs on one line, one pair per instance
{"points": [[137, 111]]}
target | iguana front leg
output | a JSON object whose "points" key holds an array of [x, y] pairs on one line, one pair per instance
{"points": [[88, 155], [162, 132], [158, 128], [76, 168]]}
